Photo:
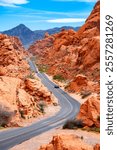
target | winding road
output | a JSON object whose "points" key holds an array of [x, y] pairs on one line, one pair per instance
{"points": [[69, 109]]}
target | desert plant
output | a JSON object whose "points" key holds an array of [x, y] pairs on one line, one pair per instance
{"points": [[98, 118], [73, 124], [5, 115], [22, 114], [31, 76], [85, 94], [95, 129], [42, 68], [41, 106], [58, 77]]}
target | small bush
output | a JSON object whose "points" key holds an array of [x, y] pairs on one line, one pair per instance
{"points": [[31, 76], [58, 77], [85, 94], [42, 68], [73, 124], [42, 106], [22, 113], [5, 116]]}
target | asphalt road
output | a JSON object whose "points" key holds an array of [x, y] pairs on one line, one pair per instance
{"points": [[69, 109]]}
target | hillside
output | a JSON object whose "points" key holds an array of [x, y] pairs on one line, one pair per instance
{"points": [[74, 57], [69, 53], [20, 91], [28, 36]]}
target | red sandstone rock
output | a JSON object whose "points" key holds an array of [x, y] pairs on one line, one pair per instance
{"points": [[97, 147], [66, 142], [90, 112], [19, 95], [70, 53]]}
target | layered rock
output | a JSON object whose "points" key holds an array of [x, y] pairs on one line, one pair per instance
{"points": [[76, 57], [39, 91], [19, 94], [82, 84], [70, 53], [66, 142], [12, 57], [90, 112]]}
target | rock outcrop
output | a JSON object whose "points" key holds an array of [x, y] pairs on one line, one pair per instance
{"points": [[12, 57], [97, 147], [20, 91], [76, 57], [66, 142], [90, 112], [70, 53]]}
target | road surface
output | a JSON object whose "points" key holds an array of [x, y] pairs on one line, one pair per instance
{"points": [[69, 109]]}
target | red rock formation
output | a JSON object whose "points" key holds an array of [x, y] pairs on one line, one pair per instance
{"points": [[19, 94], [66, 142], [97, 147], [70, 53], [12, 56], [90, 112]]}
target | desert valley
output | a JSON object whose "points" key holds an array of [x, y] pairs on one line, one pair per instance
{"points": [[70, 59]]}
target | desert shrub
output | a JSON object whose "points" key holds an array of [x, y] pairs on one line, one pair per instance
{"points": [[31, 76], [22, 114], [73, 124], [42, 68], [95, 129], [85, 94], [5, 116], [42, 106], [58, 77]]}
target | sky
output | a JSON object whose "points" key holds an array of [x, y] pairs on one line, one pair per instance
{"points": [[44, 14]]}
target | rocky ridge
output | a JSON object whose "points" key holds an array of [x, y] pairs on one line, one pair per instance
{"points": [[60, 142], [20, 91], [70, 53], [75, 57]]}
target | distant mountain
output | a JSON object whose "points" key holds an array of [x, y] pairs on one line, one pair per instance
{"points": [[56, 30], [28, 36], [25, 34]]}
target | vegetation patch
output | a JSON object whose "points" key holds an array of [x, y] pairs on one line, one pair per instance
{"points": [[22, 114], [31, 76], [85, 94], [73, 124], [58, 77], [92, 129], [41, 106], [42, 68], [5, 116], [1, 127]]}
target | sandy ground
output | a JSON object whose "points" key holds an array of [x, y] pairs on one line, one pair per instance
{"points": [[35, 143]]}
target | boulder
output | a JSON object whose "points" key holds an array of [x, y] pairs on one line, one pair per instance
{"points": [[90, 112], [66, 142]]}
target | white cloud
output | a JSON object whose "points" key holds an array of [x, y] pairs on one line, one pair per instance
{"points": [[88, 1], [12, 3], [66, 20]]}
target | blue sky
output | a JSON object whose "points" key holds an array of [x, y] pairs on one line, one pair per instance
{"points": [[44, 14]]}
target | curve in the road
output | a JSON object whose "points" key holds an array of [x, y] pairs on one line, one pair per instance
{"points": [[69, 109]]}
